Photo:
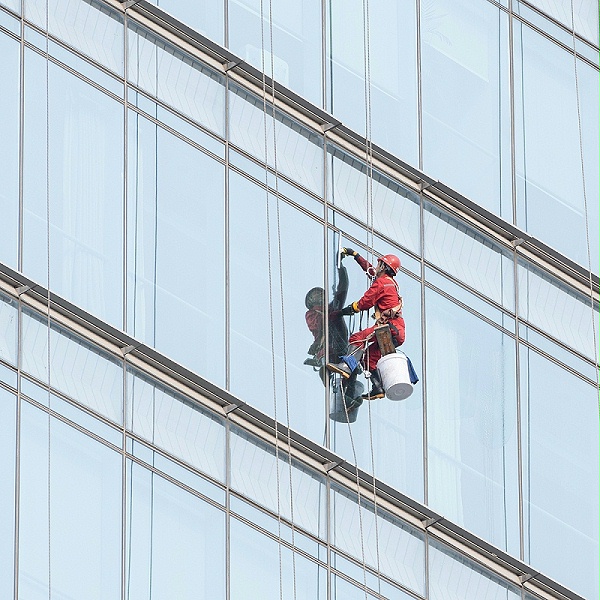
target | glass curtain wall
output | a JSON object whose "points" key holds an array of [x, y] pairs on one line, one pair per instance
{"points": [[201, 235]]}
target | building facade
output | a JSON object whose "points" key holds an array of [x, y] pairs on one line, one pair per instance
{"points": [[176, 177]]}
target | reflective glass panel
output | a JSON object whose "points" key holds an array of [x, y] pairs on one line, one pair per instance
{"points": [[85, 190], [384, 437], [175, 424], [583, 13], [396, 549], [559, 424], [263, 474], [341, 589], [8, 446], [557, 352], [375, 89], [87, 25], [84, 524], [471, 423], [204, 16], [550, 198], [14, 4], [9, 149], [271, 270], [455, 577], [176, 264], [35, 153], [469, 299], [292, 41], [362, 576], [469, 255], [83, 372], [260, 569], [292, 150], [466, 103], [381, 204], [9, 21], [558, 309], [175, 544], [89, 70], [176, 78], [8, 329]]}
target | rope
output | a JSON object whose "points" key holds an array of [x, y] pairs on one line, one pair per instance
{"points": [[585, 204], [371, 237], [283, 329], [48, 353], [271, 303]]}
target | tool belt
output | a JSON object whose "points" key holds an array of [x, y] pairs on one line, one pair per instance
{"points": [[384, 316]]}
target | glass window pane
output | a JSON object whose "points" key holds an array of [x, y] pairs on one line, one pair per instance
{"points": [[176, 257], [469, 255], [85, 190], [584, 11], [176, 78], [175, 546], [396, 549], [262, 570], [204, 16], [175, 424], [455, 577], [35, 153], [87, 25], [386, 206], [550, 199], [558, 309], [8, 21], [83, 372], [466, 102], [391, 98], [341, 589], [8, 329], [86, 196], [263, 315], [91, 71], [261, 474], [8, 446], [559, 415], [297, 150], [14, 4], [469, 299], [293, 52], [9, 149], [471, 423], [84, 478]]}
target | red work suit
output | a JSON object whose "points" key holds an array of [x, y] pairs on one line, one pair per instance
{"points": [[383, 294]]}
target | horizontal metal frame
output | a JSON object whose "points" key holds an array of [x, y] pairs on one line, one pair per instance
{"points": [[225, 404]]}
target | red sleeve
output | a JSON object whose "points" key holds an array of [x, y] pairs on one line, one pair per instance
{"points": [[314, 321], [371, 295], [363, 262]]}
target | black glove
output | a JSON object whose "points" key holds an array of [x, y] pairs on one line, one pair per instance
{"points": [[348, 252], [350, 309]]}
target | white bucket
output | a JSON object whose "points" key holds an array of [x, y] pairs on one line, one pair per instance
{"points": [[393, 369]]}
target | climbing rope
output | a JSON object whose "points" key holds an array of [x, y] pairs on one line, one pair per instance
{"points": [[371, 239], [585, 203], [271, 303], [48, 323]]}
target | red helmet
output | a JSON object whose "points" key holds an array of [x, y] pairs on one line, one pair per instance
{"points": [[392, 261]]}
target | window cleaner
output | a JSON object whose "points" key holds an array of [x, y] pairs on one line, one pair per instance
{"points": [[384, 296]]}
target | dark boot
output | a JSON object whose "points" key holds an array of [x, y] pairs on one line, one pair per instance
{"points": [[348, 364], [377, 390], [352, 392]]}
